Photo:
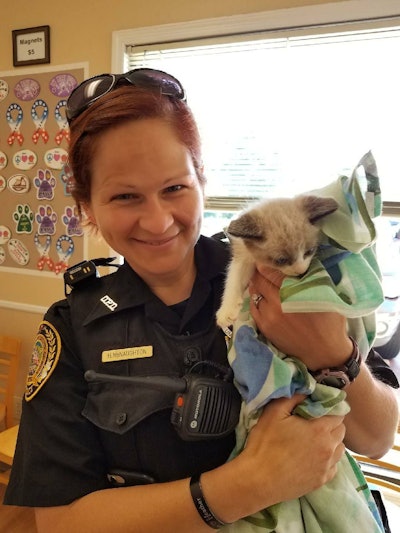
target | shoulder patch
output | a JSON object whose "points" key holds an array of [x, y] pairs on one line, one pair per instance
{"points": [[45, 355]]}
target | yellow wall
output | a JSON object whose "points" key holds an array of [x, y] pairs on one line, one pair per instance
{"points": [[81, 31]]}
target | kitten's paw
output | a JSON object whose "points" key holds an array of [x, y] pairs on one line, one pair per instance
{"points": [[226, 316]]}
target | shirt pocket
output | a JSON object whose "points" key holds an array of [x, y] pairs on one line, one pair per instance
{"points": [[119, 408]]}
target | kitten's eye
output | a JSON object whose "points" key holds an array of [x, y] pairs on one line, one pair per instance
{"points": [[310, 252], [281, 261]]}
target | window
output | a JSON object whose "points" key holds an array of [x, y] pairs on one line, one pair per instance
{"points": [[283, 113]]}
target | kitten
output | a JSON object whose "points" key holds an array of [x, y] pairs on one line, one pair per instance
{"points": [[281, 233]]}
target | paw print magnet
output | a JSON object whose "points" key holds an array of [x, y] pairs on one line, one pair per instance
{"points": [[71, 222], [46, 220], [23, 218], [45, 183]]}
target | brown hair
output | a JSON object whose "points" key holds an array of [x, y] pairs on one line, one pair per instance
{"points": [[124, 104]]}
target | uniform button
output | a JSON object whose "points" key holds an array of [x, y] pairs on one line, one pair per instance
{"points": [[192, 355], [121, 419]]}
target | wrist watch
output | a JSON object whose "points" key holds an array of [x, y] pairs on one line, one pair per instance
{"points": [[340, 376]]}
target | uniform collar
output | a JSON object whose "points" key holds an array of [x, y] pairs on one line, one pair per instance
{"points": [[211, 258], [124, 289]]}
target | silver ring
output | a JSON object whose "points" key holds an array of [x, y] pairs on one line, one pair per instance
{"points": [[257, 299]]}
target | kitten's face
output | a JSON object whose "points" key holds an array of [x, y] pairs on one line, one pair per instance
{"points": [[290, 257], [281, 233]]}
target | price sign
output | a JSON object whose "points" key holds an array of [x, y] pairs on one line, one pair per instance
{"points": [[31, 46]]}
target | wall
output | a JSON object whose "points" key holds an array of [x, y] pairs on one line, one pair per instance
{"points": [[81, 31]]}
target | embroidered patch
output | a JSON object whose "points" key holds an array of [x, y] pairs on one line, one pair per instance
{"points": [[45, 355]]}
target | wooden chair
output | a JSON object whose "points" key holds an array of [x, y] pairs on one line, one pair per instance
{"points": [[10, 353], [8, 441]]}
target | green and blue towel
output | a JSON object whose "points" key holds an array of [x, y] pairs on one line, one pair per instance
{"points": [[344, 278]]}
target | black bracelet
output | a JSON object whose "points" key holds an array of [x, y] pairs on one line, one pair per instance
{"points": [[201, 505]]}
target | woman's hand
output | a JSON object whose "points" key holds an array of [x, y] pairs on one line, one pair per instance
{"points": [[318, 339], [285, 457], [304, 453]]}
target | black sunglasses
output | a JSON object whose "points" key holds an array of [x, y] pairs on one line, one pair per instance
{"points": [[94, 88]]}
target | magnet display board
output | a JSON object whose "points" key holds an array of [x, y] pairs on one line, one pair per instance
{"points": [[39, 226]]}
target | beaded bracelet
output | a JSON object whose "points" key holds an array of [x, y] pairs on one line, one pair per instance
{"points": [[201, 505]]}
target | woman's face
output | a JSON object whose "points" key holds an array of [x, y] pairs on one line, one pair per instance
{"points": [[146, 199]]}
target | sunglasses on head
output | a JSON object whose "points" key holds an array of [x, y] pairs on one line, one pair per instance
{"points": [[94, 88]]}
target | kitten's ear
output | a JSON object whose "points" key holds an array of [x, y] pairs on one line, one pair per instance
{"points": [[245, 227], [318, 207]]}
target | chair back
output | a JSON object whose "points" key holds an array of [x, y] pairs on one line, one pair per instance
{"points": [[10, 353]]}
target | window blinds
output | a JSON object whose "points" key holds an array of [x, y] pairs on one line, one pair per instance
{"points": [[282, 115]]}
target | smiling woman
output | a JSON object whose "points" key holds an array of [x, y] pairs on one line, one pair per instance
{"points": [[136, 160], [147, 203], [147, 200]]}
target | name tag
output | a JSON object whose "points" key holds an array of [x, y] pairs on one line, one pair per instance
{"points": [[123, 354]]}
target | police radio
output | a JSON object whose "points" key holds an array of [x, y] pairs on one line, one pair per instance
{"points": [[204, 407]]}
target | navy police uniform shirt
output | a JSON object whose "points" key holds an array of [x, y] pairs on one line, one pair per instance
{"points": [[74, 434]]}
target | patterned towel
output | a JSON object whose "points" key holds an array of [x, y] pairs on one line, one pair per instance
{"points": [[344, 278]]}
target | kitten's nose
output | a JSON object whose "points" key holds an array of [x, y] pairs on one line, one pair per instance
{"points": [[298, 273], [298, 269]]}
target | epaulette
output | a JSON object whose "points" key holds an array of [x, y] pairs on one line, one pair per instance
{"points": [[85, 271]]}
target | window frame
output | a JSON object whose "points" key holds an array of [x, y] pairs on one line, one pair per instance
{"points": [[281, 19]]}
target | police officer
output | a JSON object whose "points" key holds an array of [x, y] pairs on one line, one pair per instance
{"points": [[104, 456]]}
